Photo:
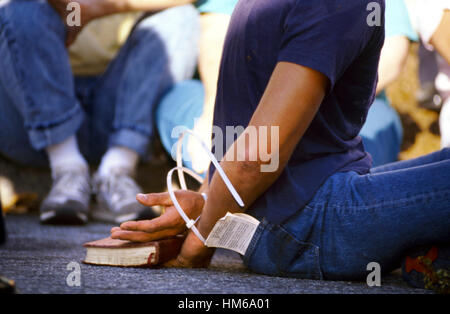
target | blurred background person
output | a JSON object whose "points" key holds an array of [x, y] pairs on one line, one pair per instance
{"points": [[191, 103], [92, 102], [431, 21], [427, 96], [382, 132]]}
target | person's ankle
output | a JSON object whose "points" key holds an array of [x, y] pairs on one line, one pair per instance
{"points": [[70, 167], [66, 155], [118, 159]]}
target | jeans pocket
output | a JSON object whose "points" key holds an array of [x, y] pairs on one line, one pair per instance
{"points": [[278, 253]]}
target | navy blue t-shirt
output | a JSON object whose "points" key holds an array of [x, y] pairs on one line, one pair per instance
{"points": [[330, 36]]}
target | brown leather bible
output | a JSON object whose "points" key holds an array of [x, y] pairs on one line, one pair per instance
{"points": [[111, 252]]}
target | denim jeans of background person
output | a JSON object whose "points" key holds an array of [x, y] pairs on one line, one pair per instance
{"points": [[43, 104]]}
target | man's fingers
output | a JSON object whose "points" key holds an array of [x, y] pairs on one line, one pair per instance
{"points": [[133, 236], [115, 229], [137, 236], [152, 199], [160, 223]]}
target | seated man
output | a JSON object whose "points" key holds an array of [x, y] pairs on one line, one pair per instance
{"points": [[92, 102], [323, 212]]}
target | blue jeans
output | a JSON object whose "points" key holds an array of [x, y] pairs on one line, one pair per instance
{"points": [[354, 220], [188, 97], [42, 103], [382, 133]]}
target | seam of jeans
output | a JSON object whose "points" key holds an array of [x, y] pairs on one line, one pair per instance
{"points": [[316, 258], [50, 124], [135, 128], [41, 138], [132, 139], [413, 199]]}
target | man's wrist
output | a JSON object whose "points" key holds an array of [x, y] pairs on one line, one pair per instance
{"points": [[204, 228]]}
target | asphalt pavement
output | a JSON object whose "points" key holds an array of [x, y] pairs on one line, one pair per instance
{"points": [[41, 259]]}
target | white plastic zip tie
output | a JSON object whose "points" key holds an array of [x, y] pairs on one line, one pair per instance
{"points": [[213, 160], [190, 223]]}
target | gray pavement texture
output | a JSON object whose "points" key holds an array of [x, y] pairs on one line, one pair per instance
{"points": [[36, 257]]}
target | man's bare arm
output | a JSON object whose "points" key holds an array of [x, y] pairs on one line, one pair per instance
{"points": [[290, 102], [93, 9]]}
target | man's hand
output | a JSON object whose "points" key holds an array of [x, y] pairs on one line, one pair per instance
{"points": [[90, 9], [194, 254], [168, 224]]}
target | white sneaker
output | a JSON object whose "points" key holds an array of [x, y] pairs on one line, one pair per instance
{"points": [[116, 199], [69, 198]]}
